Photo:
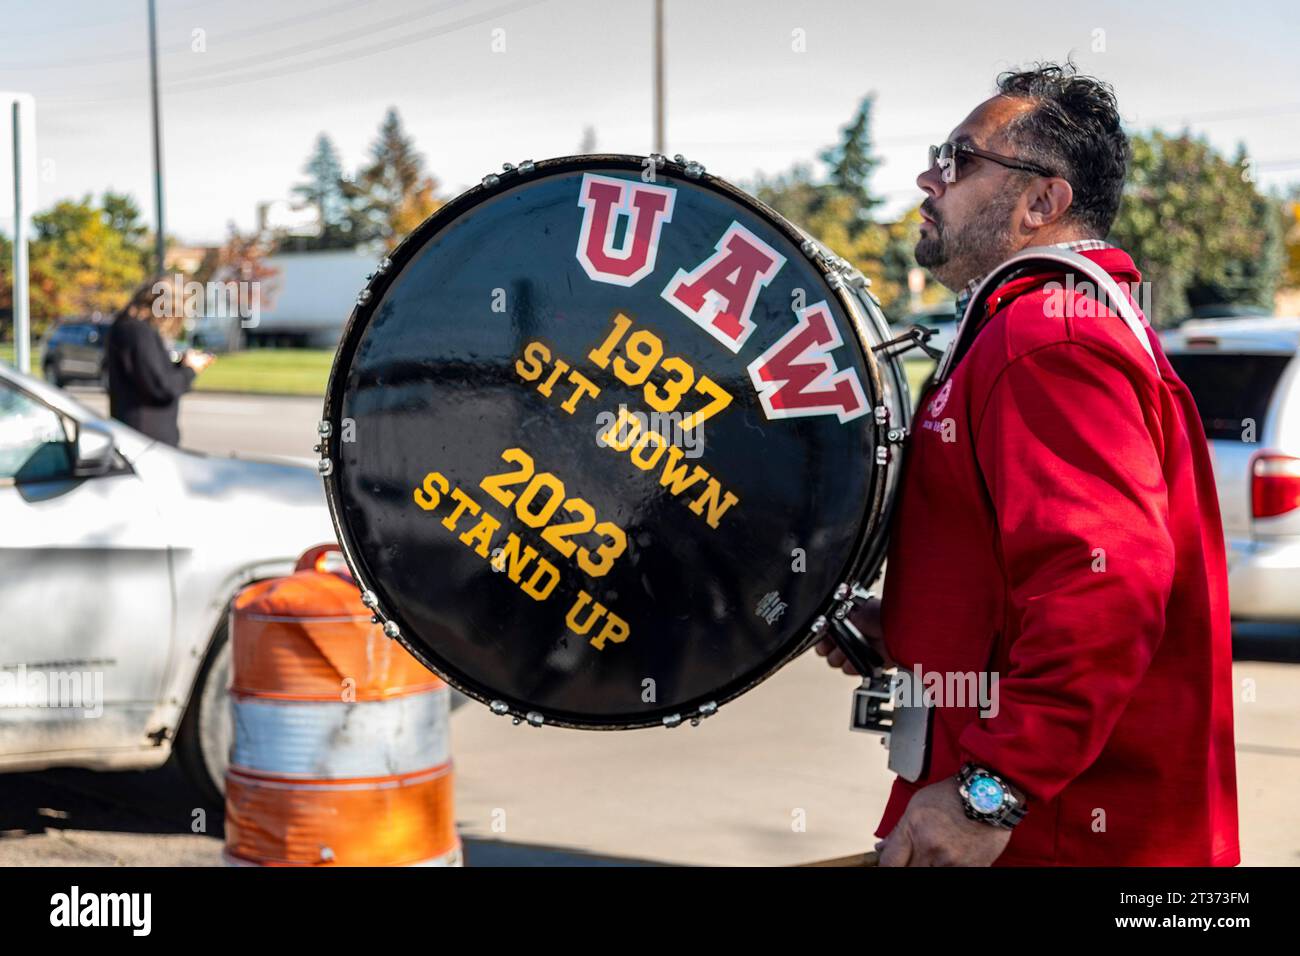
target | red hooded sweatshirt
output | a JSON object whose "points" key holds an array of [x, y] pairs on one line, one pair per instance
{"points": [[1058, 527]]}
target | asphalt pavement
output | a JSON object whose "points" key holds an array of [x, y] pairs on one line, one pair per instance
{"points": [[223, 424], [776, 777]]}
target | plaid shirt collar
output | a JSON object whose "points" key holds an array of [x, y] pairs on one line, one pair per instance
{"points": [[1078, 245]]}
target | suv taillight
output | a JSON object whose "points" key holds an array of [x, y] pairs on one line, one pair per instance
{"points": [[1274, 485]]}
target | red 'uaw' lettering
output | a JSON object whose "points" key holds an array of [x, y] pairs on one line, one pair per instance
{"points": [[719, 294], [797, 376], [645, 207]]}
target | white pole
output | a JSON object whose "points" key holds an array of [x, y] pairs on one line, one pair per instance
{"points": [[22, 113], [22, 316]]}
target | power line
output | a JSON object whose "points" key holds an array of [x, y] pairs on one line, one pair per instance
{"points": [[309, 46], [346, 56], [1213, 116], [65, 28], [199, 85], [1275, 164], [184, 46]]}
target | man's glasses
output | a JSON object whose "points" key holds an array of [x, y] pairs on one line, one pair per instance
{"points": [[950, 157]]}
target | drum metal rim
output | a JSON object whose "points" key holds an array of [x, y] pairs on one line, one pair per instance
{"points": [[862, 566]]}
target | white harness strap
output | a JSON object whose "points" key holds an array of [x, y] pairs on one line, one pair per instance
{"points": [[1109, 293]]}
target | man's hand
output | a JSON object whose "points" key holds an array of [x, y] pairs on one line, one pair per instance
{"points": [[935, 831], [866, 617]]}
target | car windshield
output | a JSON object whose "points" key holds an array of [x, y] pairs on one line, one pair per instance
{"points": [[33, 439], [1230, 388]]}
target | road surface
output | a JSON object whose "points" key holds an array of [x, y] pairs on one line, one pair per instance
{"points": [[224, 424], [774, 778]]}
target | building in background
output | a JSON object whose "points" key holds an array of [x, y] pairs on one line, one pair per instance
{"points": [[303, 304]]}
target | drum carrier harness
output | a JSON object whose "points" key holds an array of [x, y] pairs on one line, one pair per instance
{"points": [[876, 707]]}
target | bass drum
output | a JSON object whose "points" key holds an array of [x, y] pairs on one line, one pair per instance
{"points": [[606, 442]]}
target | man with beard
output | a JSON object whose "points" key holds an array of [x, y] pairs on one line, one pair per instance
{"points": [[1057, 526]]}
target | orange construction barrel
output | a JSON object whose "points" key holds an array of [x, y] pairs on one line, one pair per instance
{"points": [[341, 752]]}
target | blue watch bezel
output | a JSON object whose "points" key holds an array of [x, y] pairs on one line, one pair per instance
{"points": [[974, 778], [977, 788]]}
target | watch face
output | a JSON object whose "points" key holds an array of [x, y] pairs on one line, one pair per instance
{"points": [[985, 794]]}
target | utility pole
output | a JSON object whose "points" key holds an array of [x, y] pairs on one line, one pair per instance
{"points": [[659, 76], [160, 240]]}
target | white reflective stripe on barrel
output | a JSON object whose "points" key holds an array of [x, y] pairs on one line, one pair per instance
{"points": [[333, 740]]}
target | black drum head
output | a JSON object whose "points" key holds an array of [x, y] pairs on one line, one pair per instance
{"points": [[531, 547]]}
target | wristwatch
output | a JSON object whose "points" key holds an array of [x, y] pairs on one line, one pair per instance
{"points": [[988, 798]]}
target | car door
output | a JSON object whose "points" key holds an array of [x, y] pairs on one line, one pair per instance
{"points": [[52, 360], [85, 593], [86, 350], [72, 352]]}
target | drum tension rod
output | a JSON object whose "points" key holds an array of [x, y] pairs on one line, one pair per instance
{"points": [[916, 337]]}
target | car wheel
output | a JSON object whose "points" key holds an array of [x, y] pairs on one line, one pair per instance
{"points": [[206, 732], [51, 373]]}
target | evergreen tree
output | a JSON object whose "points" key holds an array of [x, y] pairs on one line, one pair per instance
{"points": [[851, 163], [392, 194], [123, 216], [324, 191], [839, 210]]}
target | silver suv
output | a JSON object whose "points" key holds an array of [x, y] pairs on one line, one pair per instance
{"points": [[1245, 378]]}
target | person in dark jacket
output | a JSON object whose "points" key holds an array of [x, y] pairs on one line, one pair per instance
{"points": [[144, 384]]}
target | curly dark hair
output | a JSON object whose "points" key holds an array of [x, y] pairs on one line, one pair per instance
{"points": [[1074, 130]]}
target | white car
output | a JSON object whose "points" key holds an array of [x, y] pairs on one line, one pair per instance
{"points": [[1245, 377], [119, 556]]}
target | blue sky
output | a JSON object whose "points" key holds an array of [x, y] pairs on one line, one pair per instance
{"points": [[240, 116]]}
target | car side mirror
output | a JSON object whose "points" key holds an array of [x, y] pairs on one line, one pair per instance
{"points": [[94, 451]]}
